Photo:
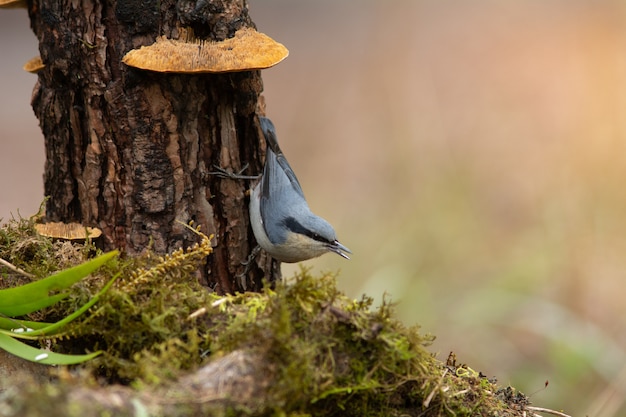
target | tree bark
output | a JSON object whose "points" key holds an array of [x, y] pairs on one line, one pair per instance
{"points": [[132, 151]]}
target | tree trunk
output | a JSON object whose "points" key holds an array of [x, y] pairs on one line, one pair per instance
{"points": [[131, 151]]}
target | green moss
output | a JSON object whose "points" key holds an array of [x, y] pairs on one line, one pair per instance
{"points": [[331, 355]]}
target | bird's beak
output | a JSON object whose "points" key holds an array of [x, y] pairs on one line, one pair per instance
{"points": [[339, 249]]}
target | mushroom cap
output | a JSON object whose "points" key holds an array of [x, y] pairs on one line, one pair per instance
{"points": [[248, 50], [13, 4], [67, 231], [34, 65]]}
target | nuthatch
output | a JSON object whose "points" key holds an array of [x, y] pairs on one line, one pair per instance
{"points": [[281, 219]]}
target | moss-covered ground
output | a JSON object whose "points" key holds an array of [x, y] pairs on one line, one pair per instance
{"points": [[332, 356]]}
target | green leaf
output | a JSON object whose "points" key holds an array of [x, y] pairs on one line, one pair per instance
{"points": [[53, 328], [7, 323], [32, 354], [29, 307], [36, 295]]}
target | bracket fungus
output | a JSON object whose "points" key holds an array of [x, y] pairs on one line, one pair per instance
{"points": [[248, 50], [67, 231], [13, 4], [34, 65]]}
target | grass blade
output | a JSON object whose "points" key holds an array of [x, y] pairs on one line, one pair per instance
{"points": [[32, 354], [36, 295], [53, 328], [8, 323]]}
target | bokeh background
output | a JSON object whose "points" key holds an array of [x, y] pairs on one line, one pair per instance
{"points": [[471, 154]]}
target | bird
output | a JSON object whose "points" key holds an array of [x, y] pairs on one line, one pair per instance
{"points": [[282, 222]]}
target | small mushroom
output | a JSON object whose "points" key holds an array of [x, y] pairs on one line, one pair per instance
{"points": [[248, 50], [34, 65], [67, 231], [13, 4]]}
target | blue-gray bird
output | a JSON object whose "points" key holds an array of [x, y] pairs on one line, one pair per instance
{"points": [[281, 219]]}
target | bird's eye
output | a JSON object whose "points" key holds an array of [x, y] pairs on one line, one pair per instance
{"points": [[317, 237], [294, 226]]}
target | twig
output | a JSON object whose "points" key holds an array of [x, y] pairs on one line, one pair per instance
{"points": [[547, 410], [430, 396], [199, 312], [16, 269]]}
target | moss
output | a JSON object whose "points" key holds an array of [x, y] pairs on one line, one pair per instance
{"points": [[330, 355]]}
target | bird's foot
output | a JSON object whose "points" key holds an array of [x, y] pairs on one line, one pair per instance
{"points": [[241, 278], [222, 173]]}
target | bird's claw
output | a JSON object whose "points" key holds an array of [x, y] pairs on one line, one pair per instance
{"points": [[223, 173], [241, 278]]}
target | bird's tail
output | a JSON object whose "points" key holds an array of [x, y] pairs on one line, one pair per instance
{"points": [[270, 137], [269, 131]]}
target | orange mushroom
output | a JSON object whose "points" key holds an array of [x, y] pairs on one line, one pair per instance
{"points": [[67, 231], [34, 65], [13, 4], [248, 50]]}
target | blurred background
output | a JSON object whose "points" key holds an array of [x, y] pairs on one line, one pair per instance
{"points": [[471, 154]]}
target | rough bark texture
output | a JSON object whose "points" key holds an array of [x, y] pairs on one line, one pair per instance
{"points": [[131, 151]]}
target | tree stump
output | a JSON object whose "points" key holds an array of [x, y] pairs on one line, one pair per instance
{"points": [[131, 151]]}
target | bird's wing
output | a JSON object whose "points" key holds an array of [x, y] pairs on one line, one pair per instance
{"points": [[288, 172], [278, 199], [278, 184]]}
